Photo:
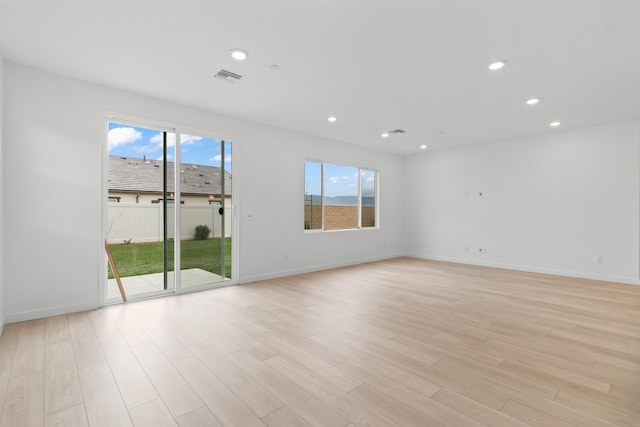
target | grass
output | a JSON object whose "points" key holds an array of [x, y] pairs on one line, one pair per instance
{"points": [[146, 258]]}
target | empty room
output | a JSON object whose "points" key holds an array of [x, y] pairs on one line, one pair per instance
{"points": [[320, 213]]}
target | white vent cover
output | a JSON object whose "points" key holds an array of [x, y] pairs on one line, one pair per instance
{"points": [[227, 76]]}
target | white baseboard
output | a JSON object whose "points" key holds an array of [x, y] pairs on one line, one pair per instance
{"points": [[52, 311], [311, 269], [530, 269]]}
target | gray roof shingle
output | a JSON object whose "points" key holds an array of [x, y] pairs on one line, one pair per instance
{"points": [[130, 174]]}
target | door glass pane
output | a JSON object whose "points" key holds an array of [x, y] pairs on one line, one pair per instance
{"points": [[206, 200], [340, 197], [368, 208], [140, 209], [312, 195]]}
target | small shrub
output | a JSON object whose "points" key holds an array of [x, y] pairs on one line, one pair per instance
{"points": [[202, 232]]}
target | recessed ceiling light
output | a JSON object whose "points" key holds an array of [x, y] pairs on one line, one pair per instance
{"points": [[554, 124], [494, 66], [239, 54], [423, 147], [332, 119], [533, 101], [384, 134]]}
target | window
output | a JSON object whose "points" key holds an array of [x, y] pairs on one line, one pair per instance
{"points": [[368, 198], [338, 197], [312, 196]]}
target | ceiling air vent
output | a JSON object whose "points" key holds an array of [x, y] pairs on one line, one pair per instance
{"points": [[227, 76], [396, 131]]}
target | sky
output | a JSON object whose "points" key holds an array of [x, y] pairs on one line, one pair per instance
{"points": [[338, 180], [138, 142]]}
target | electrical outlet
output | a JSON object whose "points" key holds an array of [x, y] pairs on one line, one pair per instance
{"points": [[286, 257], [483, 250], [600, 260], [466, 248]]}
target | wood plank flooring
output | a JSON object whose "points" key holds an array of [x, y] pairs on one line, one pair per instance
{"points": [[402, 342]]}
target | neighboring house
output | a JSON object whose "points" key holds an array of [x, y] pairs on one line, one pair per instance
{"points": [[134, 180], [135, 194]]}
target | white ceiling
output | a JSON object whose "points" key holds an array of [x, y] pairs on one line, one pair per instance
{"points": [[418, 65]]}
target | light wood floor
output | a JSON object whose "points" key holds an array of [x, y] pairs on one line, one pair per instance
{"points": [[398, 342]]}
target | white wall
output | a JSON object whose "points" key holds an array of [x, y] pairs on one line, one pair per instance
{"points": [[1, 195], [550, 204], [53, 157]]}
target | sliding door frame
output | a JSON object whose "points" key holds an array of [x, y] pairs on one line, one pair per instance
{"points": [[167, 127]]}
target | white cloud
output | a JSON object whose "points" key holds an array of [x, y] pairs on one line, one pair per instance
{"points": [[334, 179], [352, 185], [122, 136], [189, 139], [217, 158], [157, 139], [169, 158], [346, 177], [171, 139]]}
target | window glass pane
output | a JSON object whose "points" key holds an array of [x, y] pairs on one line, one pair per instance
{"points": [[312, 196], [340, 197], [140, 223], [205, 229], [368, 208]]}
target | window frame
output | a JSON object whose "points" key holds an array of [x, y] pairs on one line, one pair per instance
{"points": [[358, 206]]}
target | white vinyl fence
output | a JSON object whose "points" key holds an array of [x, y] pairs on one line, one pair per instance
{"points": [[143, 223]]}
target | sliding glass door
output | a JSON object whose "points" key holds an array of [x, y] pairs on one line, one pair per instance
{"points": [[205, 203], [168, 222]]}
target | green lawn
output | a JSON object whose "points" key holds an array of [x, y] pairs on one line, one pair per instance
{"points": [[146, 258]]}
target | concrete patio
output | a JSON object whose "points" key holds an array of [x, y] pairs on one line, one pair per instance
{"points": [[148, 283]]}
